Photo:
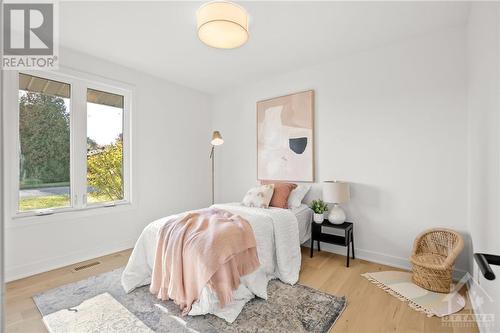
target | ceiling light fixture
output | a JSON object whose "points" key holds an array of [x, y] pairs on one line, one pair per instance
{"points": [[222, 24]]}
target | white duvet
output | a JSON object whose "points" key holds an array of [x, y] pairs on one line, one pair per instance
{"points": [[278, 248]]}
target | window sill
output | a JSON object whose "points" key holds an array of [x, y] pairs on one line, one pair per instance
{"points": [[62, 214]]}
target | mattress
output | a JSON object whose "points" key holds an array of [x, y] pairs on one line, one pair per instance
{"points": [[304, 217]]}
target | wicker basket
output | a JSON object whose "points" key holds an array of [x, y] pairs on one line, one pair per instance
{"points": [[433, 257]]}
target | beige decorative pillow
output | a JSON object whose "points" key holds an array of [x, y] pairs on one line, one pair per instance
{"points": [[259, 196]]}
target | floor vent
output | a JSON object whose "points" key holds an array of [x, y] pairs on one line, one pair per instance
{"points": [[86, 266]]}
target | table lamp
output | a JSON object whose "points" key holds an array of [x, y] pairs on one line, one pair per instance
{"points": [[336, 192]]}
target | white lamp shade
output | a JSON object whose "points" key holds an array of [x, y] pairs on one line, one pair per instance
{"points": [[222, 24], [216, 139], [336, 192]]}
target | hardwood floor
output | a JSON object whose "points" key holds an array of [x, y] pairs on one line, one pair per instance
{"points": [[22, 313], [369, 308]]}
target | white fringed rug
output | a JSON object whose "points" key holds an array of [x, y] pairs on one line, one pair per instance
{"points": [[399, 285]]}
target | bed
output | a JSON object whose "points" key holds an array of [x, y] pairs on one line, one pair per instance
{"points": [[278, 232]]}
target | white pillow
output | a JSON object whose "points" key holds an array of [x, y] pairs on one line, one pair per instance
{"points": [[297, 195], [259, 196]]}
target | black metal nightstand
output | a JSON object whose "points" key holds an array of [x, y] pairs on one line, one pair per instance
{"points": [[347, 240]]}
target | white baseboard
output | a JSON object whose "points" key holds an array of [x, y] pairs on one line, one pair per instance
{"points": [[25, 270], [377, 257]]}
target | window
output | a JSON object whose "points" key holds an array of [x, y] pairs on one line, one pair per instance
{"points": [[72, 144], [104, 146], [44, 135]]}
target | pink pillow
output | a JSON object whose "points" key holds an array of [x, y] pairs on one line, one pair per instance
{"points": [[281, 193]]}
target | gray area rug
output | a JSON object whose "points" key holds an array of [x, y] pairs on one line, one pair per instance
{"points": [[288, 308]]}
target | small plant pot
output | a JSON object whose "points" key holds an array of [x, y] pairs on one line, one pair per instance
{"points": [[318, 218]]}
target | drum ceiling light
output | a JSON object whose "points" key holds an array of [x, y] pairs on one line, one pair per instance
{"points": [[222, 24]]}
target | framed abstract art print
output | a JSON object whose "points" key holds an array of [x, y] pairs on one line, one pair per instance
{"points": [[285, 138]]}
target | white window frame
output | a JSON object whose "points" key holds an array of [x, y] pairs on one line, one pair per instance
{"points": [[79, 82]]}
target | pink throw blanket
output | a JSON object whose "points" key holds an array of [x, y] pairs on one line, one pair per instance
{"points": [[209, 246]]}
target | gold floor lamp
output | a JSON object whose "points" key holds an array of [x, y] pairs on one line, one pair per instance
{"points": [[216, 141]]}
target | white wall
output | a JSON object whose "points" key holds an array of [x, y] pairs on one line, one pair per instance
{"points": [[392, 121], [170, 174], [2, 252], [483, 40]]}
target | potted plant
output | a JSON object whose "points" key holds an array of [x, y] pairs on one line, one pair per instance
{"points": [[319, 208]]}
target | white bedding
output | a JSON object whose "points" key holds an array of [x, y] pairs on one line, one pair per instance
{"points": [[278, 247], [304, 218]]}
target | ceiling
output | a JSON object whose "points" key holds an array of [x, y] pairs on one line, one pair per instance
{"points": [[160, 37]]}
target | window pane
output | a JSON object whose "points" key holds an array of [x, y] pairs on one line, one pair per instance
{"points": [[44, 132], [104, 146]]}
